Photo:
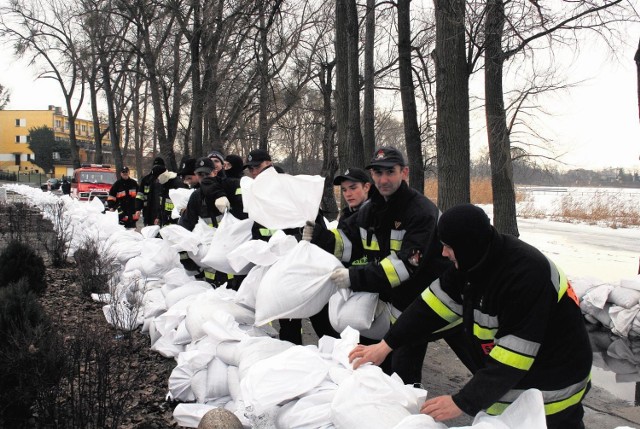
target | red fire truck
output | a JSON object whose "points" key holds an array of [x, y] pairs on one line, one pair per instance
{"points": [[92, 180]]}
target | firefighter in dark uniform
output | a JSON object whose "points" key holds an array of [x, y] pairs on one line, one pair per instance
{"points": [[391, 248], [164, 206], [355, 186], [521, 318], [122, 197], [146, 191]]}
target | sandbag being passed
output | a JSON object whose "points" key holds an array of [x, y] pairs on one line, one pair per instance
{"points": [[297, 285]]}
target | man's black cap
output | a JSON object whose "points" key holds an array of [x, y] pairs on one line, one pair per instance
{"points": [[216, 154], [353, 174], [256, 157], [386, 157], [204, 165], [188, 167], [124, 170]]}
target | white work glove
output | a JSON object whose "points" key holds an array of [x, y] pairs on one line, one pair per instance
{"points": [[222, 204], [307, 230], [340, 278]]}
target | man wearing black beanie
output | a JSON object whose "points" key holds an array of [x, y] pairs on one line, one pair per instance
{"points": [[522, 321]]}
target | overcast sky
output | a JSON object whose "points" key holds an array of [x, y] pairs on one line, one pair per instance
{"points": [[595, 125]]}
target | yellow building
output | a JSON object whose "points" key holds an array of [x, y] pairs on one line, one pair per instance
{"points": [[15, 154]]}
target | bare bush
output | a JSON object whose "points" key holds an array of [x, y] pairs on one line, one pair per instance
{"points": [[57, 242], [97, 269]]}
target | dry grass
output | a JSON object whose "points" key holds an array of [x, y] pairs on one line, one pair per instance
{"points": [[481, 192], [600, 208]]}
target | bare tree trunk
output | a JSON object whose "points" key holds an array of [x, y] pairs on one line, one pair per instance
{"points": [[504, 198], [196, 85], [97, 133], [342, 83], [263, 58], [368, 110], [636, 58], [409, 112], [355, 156], [452, 100], [329, 165]]}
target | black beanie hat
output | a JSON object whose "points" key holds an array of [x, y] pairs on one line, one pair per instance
{"points": [[467, 230], [158, 161], [236, 166]]}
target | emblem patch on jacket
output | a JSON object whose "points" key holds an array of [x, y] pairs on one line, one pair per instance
{"points": [[397, 224], [416, 256]]}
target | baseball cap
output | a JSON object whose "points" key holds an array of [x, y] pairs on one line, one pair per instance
{"points": [[216, 154], [386, 157], [353, 174], [124, 170], [256, 157], [188, 167], [203, 165]]}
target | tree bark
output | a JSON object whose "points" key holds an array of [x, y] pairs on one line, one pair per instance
{"points": [[368, 109], [412, 138], [452, 101], [504, 198], [355, 154], [342, 83]]}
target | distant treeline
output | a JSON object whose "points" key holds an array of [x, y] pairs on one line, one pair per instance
{"points": [[528, 173]]}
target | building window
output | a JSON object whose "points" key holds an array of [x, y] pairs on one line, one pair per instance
{"points": [[21, 122], [66, 126], [22, 139], [28, 157], [58, 123], [84, 128]]}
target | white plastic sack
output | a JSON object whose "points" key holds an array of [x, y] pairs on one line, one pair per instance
{"points": [[248, 289], [253, 350], [370, 398], [189, 415], [526, 412], [624, 297], [181, 239], [282, 377], [195, 287], [296, 286], [180, 198], [208, 308], [355, 309], [281, 201], [231, 233], [311, 411]]}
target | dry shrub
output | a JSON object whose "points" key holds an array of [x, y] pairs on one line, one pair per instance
{"points": [[602, 208]]}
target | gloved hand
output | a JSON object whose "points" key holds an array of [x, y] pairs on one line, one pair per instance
{"points": [[307, 230], [222, 204], [340, 278]]}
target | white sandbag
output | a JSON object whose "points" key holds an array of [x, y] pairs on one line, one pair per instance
{"points": [[311, 411], [631, 283], [121, 316], [248, 289], [208, 308], [179, 197], [599, 295], [180, 382], [296, 286], [601, 315], [281, 201], [183, 337], [370, 398], [231, 233], [181, 239], [355, 309], [177, 277], [217, 380], [622, 319], [233, 380], [420, 421], [166, 346], [159, 257], [282, 377], [624, 297], [204, 231], [526, 412], [195, 287], [223, 327], [150, 231], [252, 350], [227, 352], [189, 415], [381, 324]]}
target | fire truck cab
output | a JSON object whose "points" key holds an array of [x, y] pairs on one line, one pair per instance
{"points": [[92, 180]]}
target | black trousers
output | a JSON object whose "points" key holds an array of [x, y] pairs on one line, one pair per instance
{"points": [[322, 325], [291, 330]]}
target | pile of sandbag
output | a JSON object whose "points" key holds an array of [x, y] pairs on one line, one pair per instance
{"points": [[616, 354], [225, 349], [616, 307]]}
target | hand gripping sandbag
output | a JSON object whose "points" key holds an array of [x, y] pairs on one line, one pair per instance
{"points": [[230, 234], [280, 201], [297, 285]]}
